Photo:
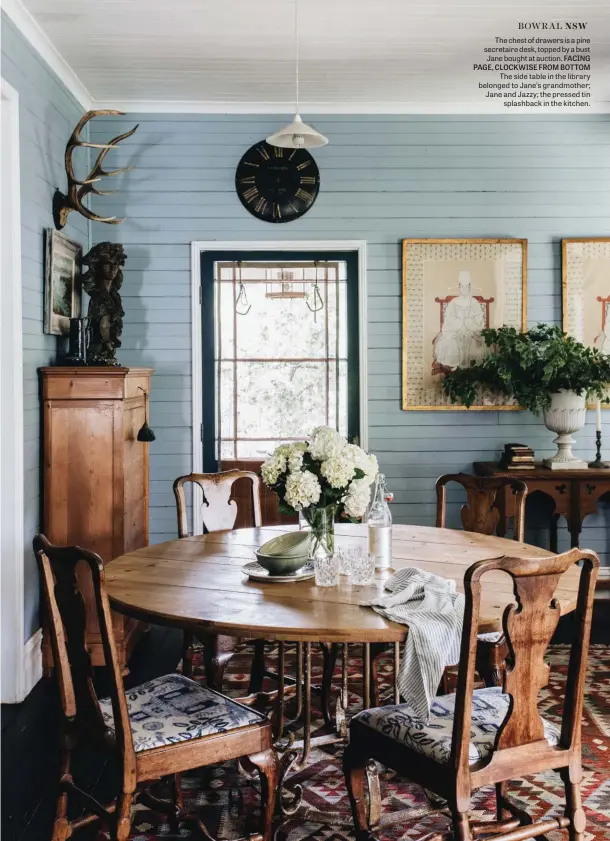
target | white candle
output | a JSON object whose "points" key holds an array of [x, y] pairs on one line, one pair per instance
{"points": [[598, 416]]}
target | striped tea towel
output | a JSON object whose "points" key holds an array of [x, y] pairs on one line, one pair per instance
{"points": [[434, 612]]}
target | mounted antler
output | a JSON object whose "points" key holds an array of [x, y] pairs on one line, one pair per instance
{"points": [[77, 190]]}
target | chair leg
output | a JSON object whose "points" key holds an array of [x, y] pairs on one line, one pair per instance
{"points": [[61, 827], [257, 670], [123, 816], [461, 826], [177, 795], [574, 807], [329, 660], [501, 812], [267, 764], [354, 768], [187, 654]]}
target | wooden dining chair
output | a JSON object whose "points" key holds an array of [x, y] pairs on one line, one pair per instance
{"points": [[218, 513], [482, 514], [158, 729], [489, 736]]}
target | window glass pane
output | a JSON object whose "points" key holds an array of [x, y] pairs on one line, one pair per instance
{"points": [[343, 397], [280, 399], [278, 327], [282, 368], [227, 449], [225, 319], [227, 403]]}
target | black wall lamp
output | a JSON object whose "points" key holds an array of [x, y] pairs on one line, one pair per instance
{"points": [[145, 433]]}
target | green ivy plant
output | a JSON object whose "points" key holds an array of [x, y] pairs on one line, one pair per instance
{"points": [[530, 367]]}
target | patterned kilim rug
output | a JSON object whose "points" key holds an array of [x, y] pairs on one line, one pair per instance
{"points": [[229, 801]]}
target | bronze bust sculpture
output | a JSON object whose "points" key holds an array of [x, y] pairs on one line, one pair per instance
{"points": [[102, 283]]}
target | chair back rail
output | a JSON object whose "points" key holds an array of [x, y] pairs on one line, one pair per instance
{"points": [[218, 511], [67, 621], [528, 626], [481, 513]]}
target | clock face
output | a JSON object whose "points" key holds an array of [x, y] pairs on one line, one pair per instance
{"points": [[275, 184]]}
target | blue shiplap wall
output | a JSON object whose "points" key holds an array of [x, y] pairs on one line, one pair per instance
{"points": [[47, 115], [383, 178]]}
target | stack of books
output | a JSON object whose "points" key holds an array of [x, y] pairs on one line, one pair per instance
{"points": [[517, 457]]}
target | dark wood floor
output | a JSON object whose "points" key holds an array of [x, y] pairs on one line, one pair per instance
{"points": [[29, 736]]}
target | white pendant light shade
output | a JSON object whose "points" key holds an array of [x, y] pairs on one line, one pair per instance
{"points": [[297, 135]]}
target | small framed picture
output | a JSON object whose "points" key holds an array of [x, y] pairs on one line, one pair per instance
{"points": [[62, 288], [585, 288], [451, 290]]}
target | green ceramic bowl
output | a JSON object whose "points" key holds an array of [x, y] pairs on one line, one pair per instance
{"points": [[281, 564], [292, 544]]}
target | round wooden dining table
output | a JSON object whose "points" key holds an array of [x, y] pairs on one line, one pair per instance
{"points": [[198, 582]]}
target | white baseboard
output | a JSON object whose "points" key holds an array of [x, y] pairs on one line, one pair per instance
{"points": [[32, 662]]}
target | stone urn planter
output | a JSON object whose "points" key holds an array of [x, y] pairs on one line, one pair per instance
{"points": [[566, 414]]}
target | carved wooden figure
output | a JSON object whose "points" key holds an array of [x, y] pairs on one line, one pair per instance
{"points": [[219, 513], [496, 735], [102, 282], [220, 729]]}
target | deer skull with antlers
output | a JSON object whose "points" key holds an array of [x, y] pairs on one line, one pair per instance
{"points": [[77, 190]]}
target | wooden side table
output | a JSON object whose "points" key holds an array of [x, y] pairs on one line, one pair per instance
{"points": [[575, 494]]}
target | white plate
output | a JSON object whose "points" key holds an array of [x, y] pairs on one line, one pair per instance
{"points": [[258, 573]]}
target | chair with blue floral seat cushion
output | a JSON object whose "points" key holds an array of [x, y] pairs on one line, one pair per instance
{"points": [[159, 729], [173, 708], [493, 735], [489, 708], [482, 514]]}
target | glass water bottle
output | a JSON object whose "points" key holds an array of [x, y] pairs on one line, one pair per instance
{"points": [[379, 521]]}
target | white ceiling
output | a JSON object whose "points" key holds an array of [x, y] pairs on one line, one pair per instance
{"points": [[356, 55]]}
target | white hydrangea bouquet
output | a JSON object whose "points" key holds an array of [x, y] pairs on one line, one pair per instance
{"points": [[325, 478]]}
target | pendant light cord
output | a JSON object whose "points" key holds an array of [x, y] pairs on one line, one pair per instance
{"points": [[296, 41]]}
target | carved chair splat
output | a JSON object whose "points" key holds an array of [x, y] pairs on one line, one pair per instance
{"points": [[491, 736], [482, 514], [219, 513], [222, 731]]}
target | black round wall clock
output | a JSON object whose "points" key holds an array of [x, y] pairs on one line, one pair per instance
{"points": [[276, 184]]}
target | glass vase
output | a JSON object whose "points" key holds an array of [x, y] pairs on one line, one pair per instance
{"points": [[322, 524]]}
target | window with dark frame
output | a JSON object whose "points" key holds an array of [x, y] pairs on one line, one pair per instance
{"points": [[281, 353]]}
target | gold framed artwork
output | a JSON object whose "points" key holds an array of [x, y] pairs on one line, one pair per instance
{"points": [[451, 290], [62, 286], [585, 291]]}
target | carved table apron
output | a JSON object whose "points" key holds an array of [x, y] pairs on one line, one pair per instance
{"points": [[575, 494]]}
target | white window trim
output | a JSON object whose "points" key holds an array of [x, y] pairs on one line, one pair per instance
{"points": [[200, 246], [21, 659]]}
